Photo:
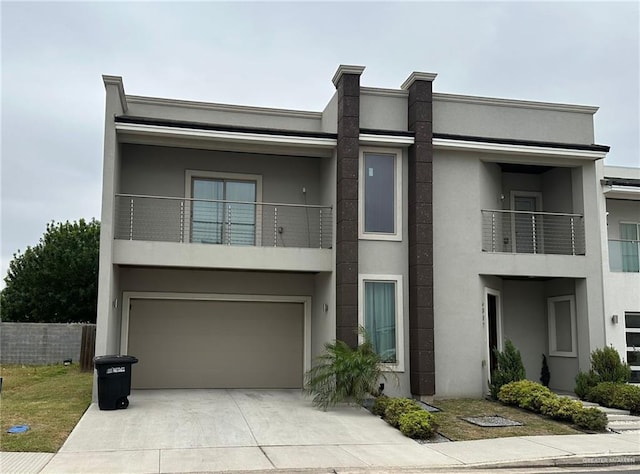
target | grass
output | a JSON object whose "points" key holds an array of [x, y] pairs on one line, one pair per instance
{"points": [[49, 398], [453, 427]]}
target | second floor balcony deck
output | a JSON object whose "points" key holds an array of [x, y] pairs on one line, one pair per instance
{"points": [[210, 232], [506, 231]]}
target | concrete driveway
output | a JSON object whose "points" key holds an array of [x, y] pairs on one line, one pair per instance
{"points": [[220, 430]]}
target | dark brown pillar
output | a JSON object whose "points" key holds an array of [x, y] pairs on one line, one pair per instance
{"points": [[347, 82], [421, 344]]}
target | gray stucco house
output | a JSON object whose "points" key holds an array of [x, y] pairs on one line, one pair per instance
{"points": [[237, 240]]}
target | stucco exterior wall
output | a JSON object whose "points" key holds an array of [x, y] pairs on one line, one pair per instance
{"points": [[383, 110], [160, 171], [224, 114], [493, 118]]}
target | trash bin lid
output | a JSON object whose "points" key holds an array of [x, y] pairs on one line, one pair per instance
{"points": [[114, 359]]}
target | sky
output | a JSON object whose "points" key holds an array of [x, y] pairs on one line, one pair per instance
{"points": [[281, 55]]}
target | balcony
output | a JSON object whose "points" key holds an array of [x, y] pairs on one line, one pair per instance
{"points": [[505, 231], [177, 231], [624, 256]]}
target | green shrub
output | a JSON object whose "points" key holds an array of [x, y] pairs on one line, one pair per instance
{"points": [[603, 393], [545, 375], [342, 373], [608, 367], [591, 419], [585, 381], [398, 407], [380, 405], [535, 397], [509, 368], [627, 397], [616, 395], [525, 394], [417, 424], [560, 408]]}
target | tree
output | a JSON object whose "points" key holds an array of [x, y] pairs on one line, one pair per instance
{"points": [[57, 280]]}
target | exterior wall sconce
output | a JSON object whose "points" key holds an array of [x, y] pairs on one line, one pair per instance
{"points": [[614, 319]]}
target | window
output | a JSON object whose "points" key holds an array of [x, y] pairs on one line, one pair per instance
{"points": [[222, 209], [629, 246], [380, 308], [632, 335], [562, 326], [380, 195]]}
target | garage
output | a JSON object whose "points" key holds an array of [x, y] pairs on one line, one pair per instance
{"points": [[191, 343]]}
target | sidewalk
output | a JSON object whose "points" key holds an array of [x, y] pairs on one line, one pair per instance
{"points": [[595, 450]]}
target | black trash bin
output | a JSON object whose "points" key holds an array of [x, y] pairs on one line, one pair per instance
{"points": [[114, 380]]}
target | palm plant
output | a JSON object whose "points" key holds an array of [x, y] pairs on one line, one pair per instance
{"points": [[343, 373]]}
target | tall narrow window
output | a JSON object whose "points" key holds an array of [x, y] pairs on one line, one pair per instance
{"points": [[380, 197], [381, 315], [223, 211], [632, 339], [629, 245], [562, 326]]}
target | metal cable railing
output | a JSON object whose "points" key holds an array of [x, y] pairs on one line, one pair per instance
{"points": [[532, 232], [211, 221]]}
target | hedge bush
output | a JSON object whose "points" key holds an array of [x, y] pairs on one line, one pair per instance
{"points": [[585, 381], [561, 408], [616, 395], [398, 407], [591, 419], [538, 398], [606, 366], [380, 405], [417, 424]]}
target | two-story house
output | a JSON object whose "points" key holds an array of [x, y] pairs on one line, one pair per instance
{"points": [[621, 263], [236, 241]]}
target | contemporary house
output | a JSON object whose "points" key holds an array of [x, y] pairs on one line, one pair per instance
{"points": [[236, 241], [621, 263]]}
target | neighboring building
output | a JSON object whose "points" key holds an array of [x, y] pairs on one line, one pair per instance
{"points": [[621, 264], [236, 241]]}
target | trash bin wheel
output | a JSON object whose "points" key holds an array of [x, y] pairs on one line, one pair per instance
{"points": [[122, 402]]}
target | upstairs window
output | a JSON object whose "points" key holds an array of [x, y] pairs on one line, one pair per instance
{"points": [[380, 196], [629, 246]]}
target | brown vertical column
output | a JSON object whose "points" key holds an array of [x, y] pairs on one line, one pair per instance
{"points": [[347, 82], [421, 316]]}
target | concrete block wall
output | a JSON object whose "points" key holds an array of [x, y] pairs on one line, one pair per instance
{"points": [[39, 343]]}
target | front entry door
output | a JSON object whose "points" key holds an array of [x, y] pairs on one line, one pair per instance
{"points": [[493, 326]]}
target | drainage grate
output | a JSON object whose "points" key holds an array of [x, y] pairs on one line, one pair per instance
{"points": [[491, 421]]}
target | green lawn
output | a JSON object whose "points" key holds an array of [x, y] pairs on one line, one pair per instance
{"points": [[49, 398], [455, 428]]}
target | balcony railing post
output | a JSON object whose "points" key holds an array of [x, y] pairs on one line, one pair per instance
{"points": [[320, 228], [181, 221], [493, 231], [228, 224], [131, 219], [573, 238], [533, 232], [275, 226]]}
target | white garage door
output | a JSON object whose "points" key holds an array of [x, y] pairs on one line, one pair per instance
{"points": [[216, 344]]}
